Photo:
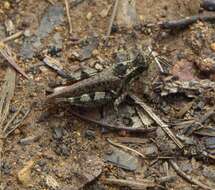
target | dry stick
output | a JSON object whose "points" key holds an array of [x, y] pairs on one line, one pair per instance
{"points": [[112, 127], [132, 140], [3, 95], [74, 3], [126, 148], [187, 177], [201, 120], [9, 92], [12, 119], [53, 64], [132, 184], [6, 96], [156, 60], [163, 126], [12, 37], [68, 16], [7, 54], [143, 118], [111, 20], [17, 125], [211, 156], [51, 2], [183, 23]]}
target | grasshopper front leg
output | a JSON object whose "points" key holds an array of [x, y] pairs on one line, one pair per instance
{"points": [[118, 101]]}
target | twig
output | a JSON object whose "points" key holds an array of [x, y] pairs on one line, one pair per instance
{"points": [[51, 2], [163, 126], [6, 96], [8, 92], [184, 110], [194, 125], [211, 156], [112, 127], [53, 64], [7, 54], [132, 140], [187, 177], [17, 125], [166, 179], [156, 60], [12, 119], [183, 23], [112, 20], [12, 37], [68, 16], [146, 121], [132, 184], [208, 5], [74, 3], [126, 148], [208, 114]]}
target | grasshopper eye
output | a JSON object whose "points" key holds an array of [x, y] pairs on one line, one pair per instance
{"points": [[120, 69]]}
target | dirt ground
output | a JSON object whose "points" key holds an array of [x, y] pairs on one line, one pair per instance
{"points": [[53, 149]]}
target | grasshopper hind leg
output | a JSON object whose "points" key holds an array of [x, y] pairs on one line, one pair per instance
{"points": [[95, 99]]}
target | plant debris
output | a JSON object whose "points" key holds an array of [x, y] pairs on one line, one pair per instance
{"points": [[120, 94]]}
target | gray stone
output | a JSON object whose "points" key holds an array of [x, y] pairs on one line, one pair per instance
{"points": [[58, 133], [122, 159], [52, 18], [150, 150], [29, 140], [27, 50], [57, 41], [86, 51]]}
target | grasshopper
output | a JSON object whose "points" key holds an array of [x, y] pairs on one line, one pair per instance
{"points": [[108, 86]]}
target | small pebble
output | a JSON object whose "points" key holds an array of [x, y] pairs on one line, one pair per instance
{"points": [[89, 16], [58, 133], [90, 134], [98, 67], [141, 17], [95, 52], [213, 46], [13, 109], [5, 168], [27, 33], [92, 64], [24, 175], [17, 132], [65, 150], [7, 5], [104, 12], [10, 28], [42, 163]]}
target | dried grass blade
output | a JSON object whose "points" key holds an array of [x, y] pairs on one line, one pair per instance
{"points": [[7, 54]]}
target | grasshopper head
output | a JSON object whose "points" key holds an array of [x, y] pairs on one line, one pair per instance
{"points": [[131, 67]]}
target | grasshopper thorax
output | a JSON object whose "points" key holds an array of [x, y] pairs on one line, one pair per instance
{"points": [[131, 68]]}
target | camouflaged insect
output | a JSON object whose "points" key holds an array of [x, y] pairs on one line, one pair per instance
{"points": [[104, 87]]}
